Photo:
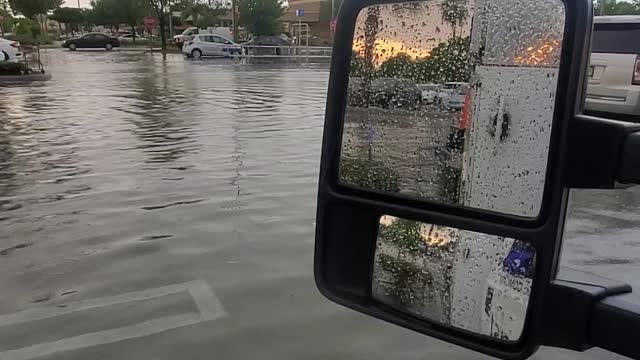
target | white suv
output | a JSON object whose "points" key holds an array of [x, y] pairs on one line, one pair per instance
{"points": [[9, 50], [614, 72]]}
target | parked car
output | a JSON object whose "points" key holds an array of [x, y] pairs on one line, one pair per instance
{"points": [[128, 38], [614, 73], [92, 41], [385, 93], [223, 31], [447, 88], [454, 99], [395, 93], [210, 45], [9, 50], [429, 92]]}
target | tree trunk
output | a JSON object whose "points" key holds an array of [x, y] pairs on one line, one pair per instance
{"points": [[163, 36], [133, 33]]}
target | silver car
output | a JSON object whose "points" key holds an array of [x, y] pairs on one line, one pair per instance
{"points": [[614, 73]]}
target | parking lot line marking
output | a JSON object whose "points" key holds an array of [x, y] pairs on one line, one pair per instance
{"points": [[57, 310], [208, 305]]}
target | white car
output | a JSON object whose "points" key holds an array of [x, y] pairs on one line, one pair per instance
{"points": [[128, 38], [9, 50], [454, 99], [210, 45], [429, 92], [614, 73], [223, 31], [448, 87]]}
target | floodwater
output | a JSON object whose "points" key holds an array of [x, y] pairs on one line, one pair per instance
{"points": [[158, 209]]}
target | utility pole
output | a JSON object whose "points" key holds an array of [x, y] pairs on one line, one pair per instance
{"points": [[234, 25], [331, 22], [602, 4]]}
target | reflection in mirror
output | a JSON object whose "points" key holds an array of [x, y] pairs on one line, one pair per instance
{"points": [[452, 101], [468, 280]]}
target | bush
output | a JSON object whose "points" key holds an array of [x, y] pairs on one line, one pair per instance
{"points": [[370, 174], [44, 39], [11, 68]]}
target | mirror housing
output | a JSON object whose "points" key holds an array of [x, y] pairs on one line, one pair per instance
{"points": [[348, 217]]}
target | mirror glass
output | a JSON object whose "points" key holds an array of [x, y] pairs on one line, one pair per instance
{"points": [[452, 101], [464, 279]]}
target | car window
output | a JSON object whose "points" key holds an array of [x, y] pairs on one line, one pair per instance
{"points": [[101, 37], [89, 37], [616, 38], [219, 40]]}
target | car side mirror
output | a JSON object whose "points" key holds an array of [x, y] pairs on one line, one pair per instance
{"points": [[444, 214]]}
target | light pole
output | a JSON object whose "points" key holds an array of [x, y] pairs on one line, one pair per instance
{"points": [[234, 27]]}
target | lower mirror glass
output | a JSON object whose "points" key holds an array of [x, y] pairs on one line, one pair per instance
{"points": [[468, 280]]}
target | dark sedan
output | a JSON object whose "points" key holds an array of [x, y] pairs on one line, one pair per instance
{"points": [[92, 41]]}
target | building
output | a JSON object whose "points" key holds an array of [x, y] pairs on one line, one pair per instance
{"points": [[312, 19]]}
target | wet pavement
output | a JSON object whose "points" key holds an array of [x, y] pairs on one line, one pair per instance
{"points": [[158, 209]]}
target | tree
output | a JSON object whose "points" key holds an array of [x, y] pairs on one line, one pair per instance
{"points": [[449, 61], [131, 12], [31, 8], [9, 21], [398, 66], [371, 30], [203, 15], [455, 13], [617, 8], [261, 17], [160, 7], [71, 17], [105, 12]]}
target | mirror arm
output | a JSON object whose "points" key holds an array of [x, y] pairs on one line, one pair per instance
{"points": [[569, 307], [615, 321], [602, 152]]}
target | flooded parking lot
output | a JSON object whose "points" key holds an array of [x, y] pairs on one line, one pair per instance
{"points": [[164, 209]]}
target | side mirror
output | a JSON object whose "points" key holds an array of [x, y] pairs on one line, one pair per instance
{"points": [[442, 210]]}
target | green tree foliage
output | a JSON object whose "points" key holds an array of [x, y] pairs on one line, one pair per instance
{"points": [[112, 13], [72, 17], [31, 8], [160, 9], [447, 62], [261, 17], [105, 12], [617, 8], [9, 20], [202, 15], [398, 66], [455, 13], [131, 12]]}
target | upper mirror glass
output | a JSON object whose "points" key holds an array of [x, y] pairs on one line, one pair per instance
{"points": [[453, 101], [465, 279]]}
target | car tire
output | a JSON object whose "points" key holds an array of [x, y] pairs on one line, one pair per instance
{"points": [[72, 47], [196, 53], [109, 47]]}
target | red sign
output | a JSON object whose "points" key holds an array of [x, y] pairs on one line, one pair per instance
{"points": [[149, 22], [332, 24]]}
